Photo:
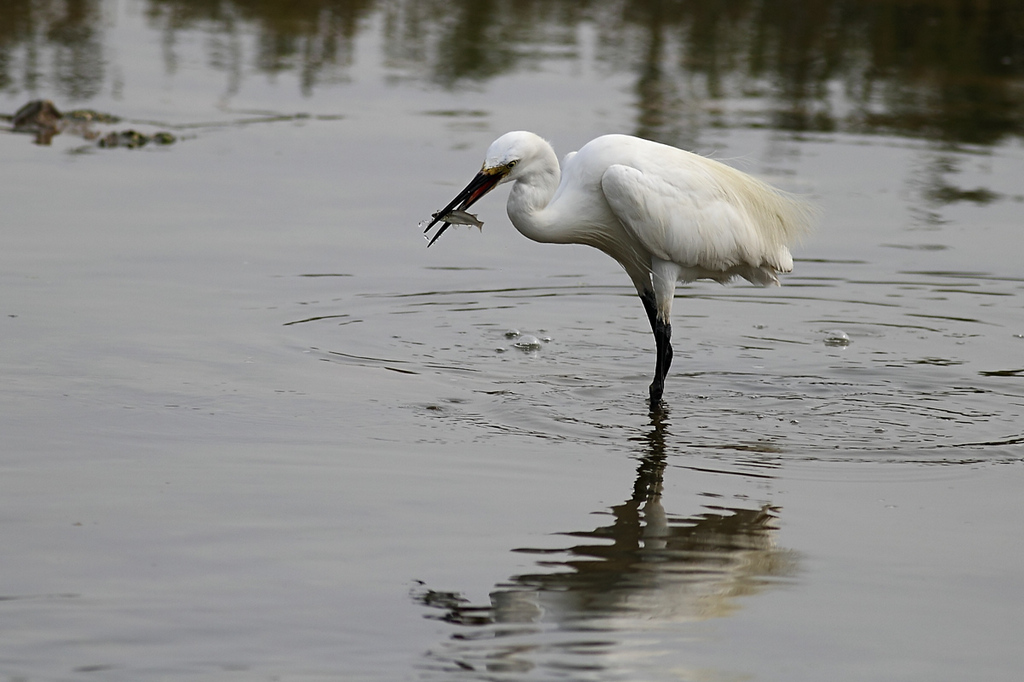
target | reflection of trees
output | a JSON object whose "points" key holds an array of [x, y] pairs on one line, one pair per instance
{"points": [[313, 37], [468, 41], [949, 70], [644, 565], [70, 31]]}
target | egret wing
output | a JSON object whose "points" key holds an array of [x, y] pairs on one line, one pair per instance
{"points": [[708, 218]]}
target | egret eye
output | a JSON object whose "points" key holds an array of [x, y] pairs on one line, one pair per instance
{"points": [[512, 164]]}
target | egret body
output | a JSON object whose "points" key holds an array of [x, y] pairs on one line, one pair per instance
{"points": [[666, 215]]}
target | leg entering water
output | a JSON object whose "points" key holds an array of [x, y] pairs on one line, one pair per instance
{"points": [[663, 342], [663, 339]]}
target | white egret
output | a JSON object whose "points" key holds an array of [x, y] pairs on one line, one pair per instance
{"points": [[666, 215]]}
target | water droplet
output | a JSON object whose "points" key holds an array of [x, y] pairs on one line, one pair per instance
{"points": [[837, 338], [511, 333], [527, 342]]}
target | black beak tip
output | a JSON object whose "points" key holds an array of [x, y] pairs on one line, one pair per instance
{"points": [[444, 227], [479, 186]]}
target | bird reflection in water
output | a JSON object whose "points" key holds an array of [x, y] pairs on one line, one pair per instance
{"points": [[644, 568]]}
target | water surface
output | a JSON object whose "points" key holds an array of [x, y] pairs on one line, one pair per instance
{"points": [[252, 428]]}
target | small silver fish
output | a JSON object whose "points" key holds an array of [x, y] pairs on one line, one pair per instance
{"points": [[459, 218]]}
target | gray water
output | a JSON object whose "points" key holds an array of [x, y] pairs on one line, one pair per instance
{"points": [[252, 428]]}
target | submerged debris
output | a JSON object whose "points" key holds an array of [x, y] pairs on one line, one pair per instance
{"points": [[42, 118], [90, 116], [134, 139], [39, 116]]}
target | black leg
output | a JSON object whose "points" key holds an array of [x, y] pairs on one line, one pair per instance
{"points": [[663, 342], [650, 306]]}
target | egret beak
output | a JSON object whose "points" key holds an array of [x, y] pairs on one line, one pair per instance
{"points": [[484, 182]]}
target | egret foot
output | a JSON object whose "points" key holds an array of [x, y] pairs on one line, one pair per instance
{"points": [[657, 389]]}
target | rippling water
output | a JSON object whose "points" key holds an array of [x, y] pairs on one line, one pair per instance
{"points": [[252, 428], [756, 369]]}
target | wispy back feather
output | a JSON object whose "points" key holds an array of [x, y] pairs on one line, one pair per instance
{"points": [[782, 218]]}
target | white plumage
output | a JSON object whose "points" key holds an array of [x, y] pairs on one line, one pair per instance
{"points": [[666, 215]]}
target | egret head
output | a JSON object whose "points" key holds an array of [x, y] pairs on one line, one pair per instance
{"points": [[513, 152], [506, 159]]}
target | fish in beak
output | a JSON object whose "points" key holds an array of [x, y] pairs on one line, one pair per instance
{"points": [[486, 180]]}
